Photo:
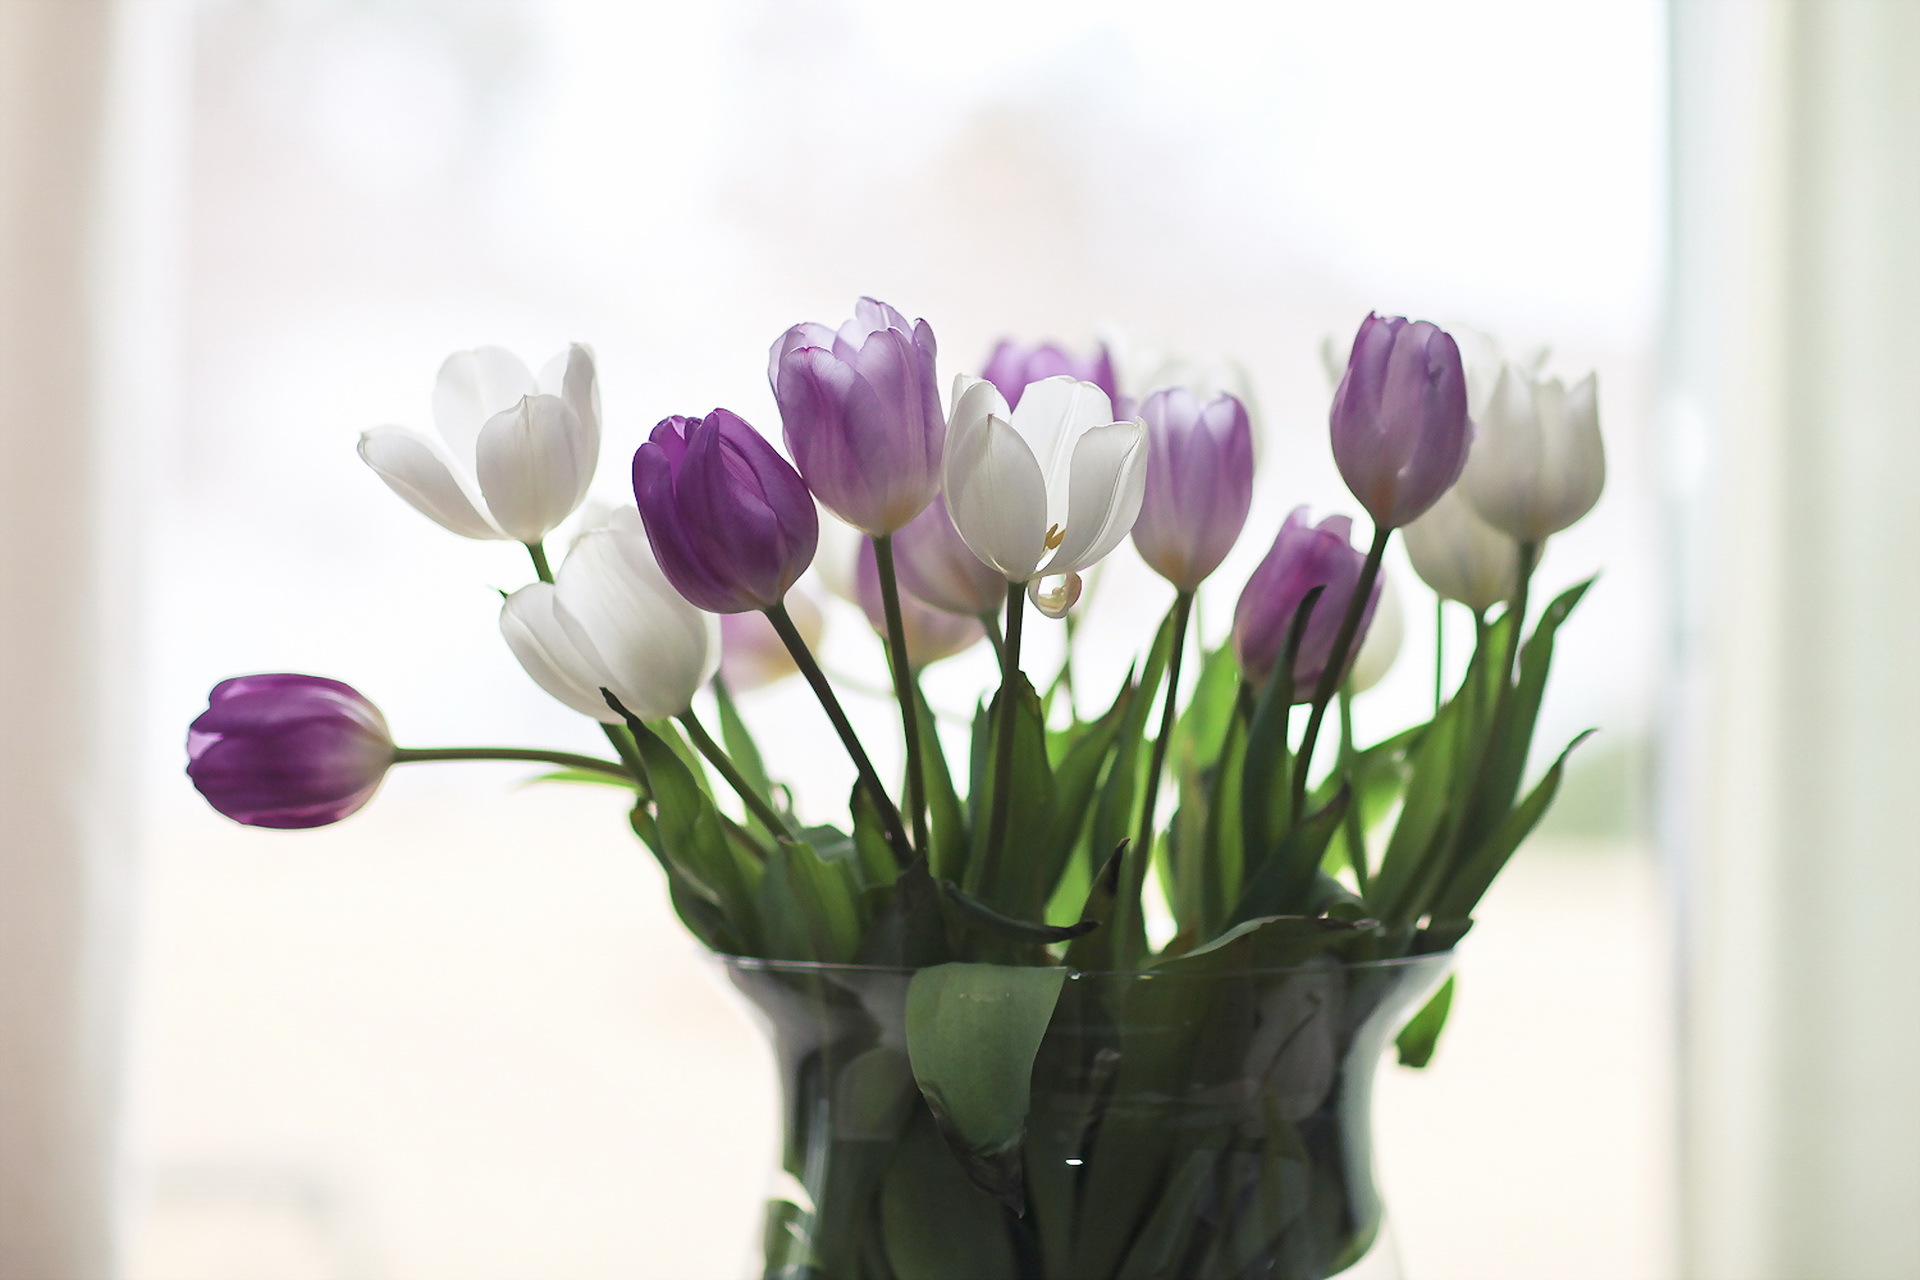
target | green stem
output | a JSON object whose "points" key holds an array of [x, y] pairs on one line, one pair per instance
{"points": [[1003, 741], [538, 550], [566, 759], [903, 689], [1439, 651], [1335, 670], [756, 803], [803, 658], [992, 624], [1143, 847], [1355, 821]]}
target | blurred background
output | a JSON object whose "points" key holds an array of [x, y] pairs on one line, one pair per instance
{"points": [[460, 1036]]}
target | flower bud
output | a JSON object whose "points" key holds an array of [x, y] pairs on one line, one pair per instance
{"points": [[1303, 557], [1199, 484], [1399, 418], [1538, 464], [287, 750], [515, 456], [1461, 556], [936, 566], [612, 621], [753, 655], [861, 413], [1013, 368], [932, 634], [732, 524]]}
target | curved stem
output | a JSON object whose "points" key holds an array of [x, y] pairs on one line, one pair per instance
{"points": [[1355, 820], [1336, 668], [1003, 742], [803, 658], [903, 689], [756, 803], [567, 759], [538, 550]]}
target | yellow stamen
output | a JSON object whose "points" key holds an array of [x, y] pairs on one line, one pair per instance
{"points": [[1055, 534]]}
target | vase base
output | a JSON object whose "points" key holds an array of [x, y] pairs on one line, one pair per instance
{"points": [[1382, 1261]]}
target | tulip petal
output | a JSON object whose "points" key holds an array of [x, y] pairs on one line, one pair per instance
{"points": [[1051, 416], [1055, 601], [471, 388], [532, 630], [534, 466], [997, 496], [616, 606], [570, 375], [1107, 480], [418, 470]]}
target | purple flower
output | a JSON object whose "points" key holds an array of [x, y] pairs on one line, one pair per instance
{"points": [[936, 566], [1400, 428], [287, 750], [1199, 484], [1013, 368], [932, 634], [861, 411], [731, 521], [1303, 557]]}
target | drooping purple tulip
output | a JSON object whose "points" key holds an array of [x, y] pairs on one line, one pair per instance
{"points": [[936, 565], [1303, 557], [1013, 368], [731, 522], [287, 750], [1399, 419], [932, 634], [861, 412], [1199, 483]]}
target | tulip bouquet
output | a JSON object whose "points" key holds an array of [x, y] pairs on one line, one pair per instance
{"points": [[993, 1066]]}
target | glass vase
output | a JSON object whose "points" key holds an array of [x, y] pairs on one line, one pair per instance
{"points": [[1182, 1127]]}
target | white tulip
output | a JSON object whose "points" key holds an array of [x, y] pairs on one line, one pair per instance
{"points": [[613, 621], [1537, 463], [1046, 490], [515, 455], [1461, 556], [1385, 634]]}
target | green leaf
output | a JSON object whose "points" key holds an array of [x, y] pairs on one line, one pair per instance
{"points": [[1462, 891], [1275, 942], [1074, 780], [972, 1033], [691, 837], [970, 913], [809, 908], [878, 866], [1117, 815], [938, 1226], [1419, 836], [1266, 788], [592, 776], [1508, 753], [703, 918], [907, 931], [1420, 1036], [1006, 886], [1283, 883], [948, 818], [745, 754]]}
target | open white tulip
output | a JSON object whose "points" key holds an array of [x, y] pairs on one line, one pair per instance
{"points": [[1385, 636], [1047, 489], [1537, 464], [613, 621], [1461, 556], [515, 455]]}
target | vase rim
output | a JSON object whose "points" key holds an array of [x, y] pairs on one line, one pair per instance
{"points": [[764, 965]]}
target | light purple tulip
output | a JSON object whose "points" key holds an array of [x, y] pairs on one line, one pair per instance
{"points": [[1303, 557], [861, 412], [935, 564], [1199, 484], [752, 654], [1399, 419], [731, 522], [932, 634], [287, 750], [1013, 368]]}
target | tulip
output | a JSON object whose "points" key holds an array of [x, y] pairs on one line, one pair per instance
{"points": [[515, 456], [1044, 490], [287, 750], [1538, 465], [932, 634], [1303, 557], [732, 523], [936, 566], [1399, 419], [1381, 648], [1199, 484], [1461, 556], [752, 654], [862, 414], [611, 620], [1013, 368]]}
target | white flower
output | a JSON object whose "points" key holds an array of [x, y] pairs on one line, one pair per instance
{"points": [[613, 621], [1537, 464], [1385, 634], [1460, 555], [1046, 490], [515, 456]]}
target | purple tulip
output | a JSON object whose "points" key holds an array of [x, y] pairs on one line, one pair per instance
{"points": [[1199, 484], [861, 411], [731, 522], [935, 565], [932, 634], [1400, 428], [1013, 368], [287, 750], [1303, 557]]}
